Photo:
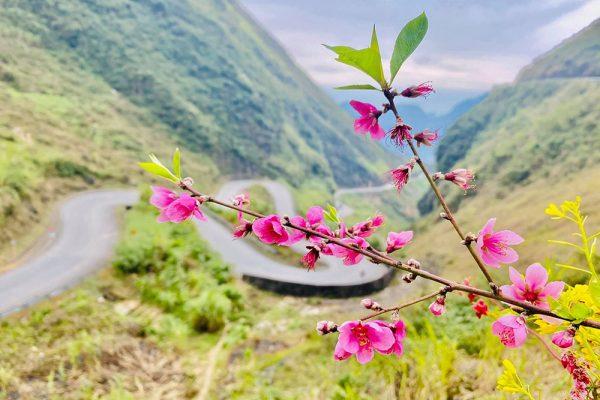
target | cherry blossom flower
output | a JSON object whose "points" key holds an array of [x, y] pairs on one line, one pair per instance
{"points": [[367, 228], [511, 329], [480, 308], [368, 120], [173, 207], [241, 200], [401, 174], [426, 137], [243, 229], [534, 288], [415, 91], [310, 259], [461, 177], [397, 240], [350, 257], [362, 339], [270, 230], [314, 220], [564, 339], [399, 330], [494, 246], [400, 132], [438, 307]]}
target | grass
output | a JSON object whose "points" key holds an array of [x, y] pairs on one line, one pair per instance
{"points": [[133, 330]]}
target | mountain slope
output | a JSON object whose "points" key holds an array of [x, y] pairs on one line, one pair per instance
{"points": [[87, 88], [529, 143], [212, 77]]}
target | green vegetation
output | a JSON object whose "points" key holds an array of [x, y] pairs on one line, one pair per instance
{"points": [[530, 144], [169, 313], [87, 88], [577, 56]]}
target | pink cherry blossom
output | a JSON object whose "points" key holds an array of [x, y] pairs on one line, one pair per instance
{"points": [[243, 229], [534, 287], [401, 174], [173, 207], [438, 307], [241, 200], [162, 197], [350, 257], [367, 228], [399, 330], [461, 177], [493, 246], [400, 133], [426, 137], [314, 220], [310, 259], [415, 91], [362, 339], [270, 230], [397, 240], [511, 329], [368, 120], [564, 339]]}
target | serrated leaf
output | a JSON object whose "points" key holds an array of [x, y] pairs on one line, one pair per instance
{"points": [[407, 41], [367, 60], [177, 163], [159, 170], [358, 87]]}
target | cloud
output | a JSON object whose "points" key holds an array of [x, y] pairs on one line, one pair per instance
{"points": [[468, 72], [566, 25]]}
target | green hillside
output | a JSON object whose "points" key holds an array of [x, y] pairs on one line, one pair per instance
{"points": [[88, 87], [529, 143], [577, 56]]}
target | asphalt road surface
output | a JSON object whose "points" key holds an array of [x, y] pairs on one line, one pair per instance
{"points": [[89, 231]]}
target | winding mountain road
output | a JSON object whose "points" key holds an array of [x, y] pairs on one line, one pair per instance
{"points": [[89, 231]]}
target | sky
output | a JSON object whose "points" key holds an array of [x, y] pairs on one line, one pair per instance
{"points": [[471, 45]]}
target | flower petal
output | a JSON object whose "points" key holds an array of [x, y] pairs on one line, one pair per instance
{"points": [[363, 108], [364, 354], [377, 132], [509, 237], [516, 278], [536, 277], [553, 289]]}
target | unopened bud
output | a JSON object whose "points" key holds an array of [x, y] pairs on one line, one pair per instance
{"points": [[438, 307], [443, 215], [325, 327], [367, 303], [437, 176], [413, 263], [409, 278], [187, 181]]}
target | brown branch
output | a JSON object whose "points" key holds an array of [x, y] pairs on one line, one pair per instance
{"points": [[410, 303], [436, 190], [381, 259]]}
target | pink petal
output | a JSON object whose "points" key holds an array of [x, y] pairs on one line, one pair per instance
{"points": [[510, 292], [363, 124], [553, 289], [489, 258], [363, 108], [295, 235], [162, 197], [381, 337], [488, 227], [536, 277], [339, 353], [377, 132], [508, 237], [162, 217], [364, 354], [314, 215], [199, 215], [516, 278], [520, 336], [508, 256]]}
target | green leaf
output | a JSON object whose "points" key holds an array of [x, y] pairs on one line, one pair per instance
{"points": [[367, 60], [407, 41], [580, 311], [177, 163], [358, 87], [594, 288], [331, 214], [159, 170]]}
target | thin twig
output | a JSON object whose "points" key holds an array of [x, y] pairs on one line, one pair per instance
{"points": [[410, 303], [379, 259], [442, 200]]}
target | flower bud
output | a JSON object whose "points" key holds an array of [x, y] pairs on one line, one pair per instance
{"points": [[187, 181], [438, 307], [325, 327], [367, 303], [413, 263], [564, 339]]}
